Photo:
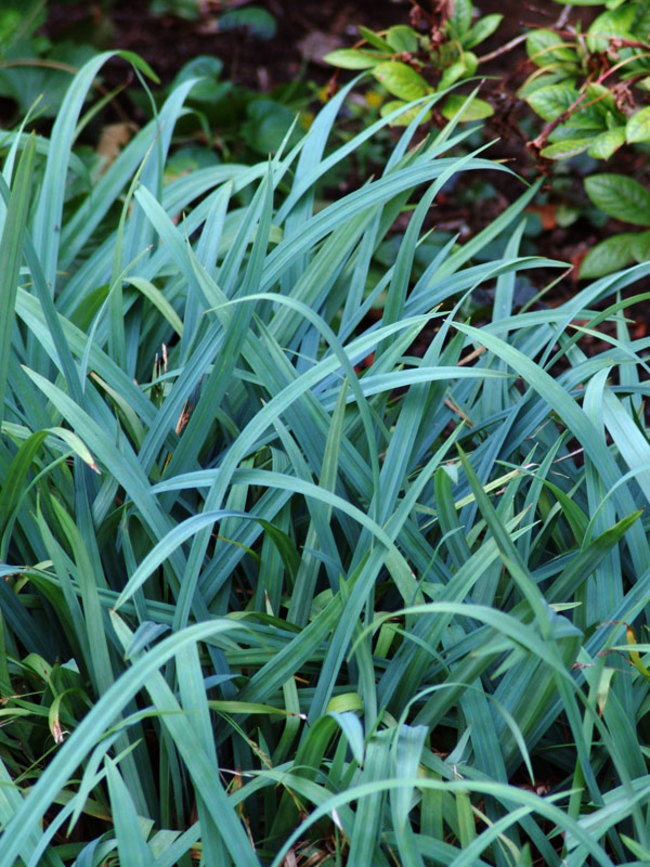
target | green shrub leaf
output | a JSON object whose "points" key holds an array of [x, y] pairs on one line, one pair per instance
{"points": [[474, 108], [545, 47], [552, 100], [461, 17], [255, 20], [609, 255], [564, 150], [402, 38], [401, 80], [266, 125], [375, 40], [605, 144], [354, 58], [484, 28], [641, 247], [614, 23], [406, 117], [620, 197], [454, 72], [638, 126]]}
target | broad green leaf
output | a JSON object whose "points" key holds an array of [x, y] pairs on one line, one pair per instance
{"points": [[254, 20], [19, 18], [607, 143], [266, 125], [600, 95], [482, 30], [545, 47], [453, 73], [205, 70], [460, 19], [564, 150], [613, 24], [375, 40], [641, 247], [638, 126], [552, 100], [621, 197], [401, 80], [470, 108], [355, 58], [407, 116], [609, 255], [402, 38]]}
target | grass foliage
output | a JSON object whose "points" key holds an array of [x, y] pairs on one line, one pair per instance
{"points": [[263, 604]]}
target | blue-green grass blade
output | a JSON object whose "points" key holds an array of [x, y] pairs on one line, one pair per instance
{"points": [[509, 554], [131, 843], [202, 766], [507, 794], [26, 819], [12, 254]]}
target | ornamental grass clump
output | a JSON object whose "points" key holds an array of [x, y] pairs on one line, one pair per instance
{"points": [[275, 589]]}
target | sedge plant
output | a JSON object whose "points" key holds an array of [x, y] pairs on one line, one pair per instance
{"points": [[276, 589]]}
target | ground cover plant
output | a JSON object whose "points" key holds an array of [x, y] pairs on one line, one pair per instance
{"points": [[584, 74], [276, 589]]}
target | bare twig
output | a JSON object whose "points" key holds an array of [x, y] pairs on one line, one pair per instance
{"points": [[504, 48]]}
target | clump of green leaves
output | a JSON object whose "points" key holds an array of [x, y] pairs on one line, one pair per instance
{"points": [[242, 123], [410, 64], [31, 67], [592, 90], [624, 199], [262, 601], [255, 21]]}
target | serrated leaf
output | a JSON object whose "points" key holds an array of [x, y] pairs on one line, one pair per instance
{"points": [[551, 101], [536, 82], [614, 23], [401, 80], [591, 113], [544, 47], [638, 126], [402, 38], [483, 29], [603, 96], [610, 255], [478, 109], [620, 197], [564, 150], [605, 144], [354, 58]]}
